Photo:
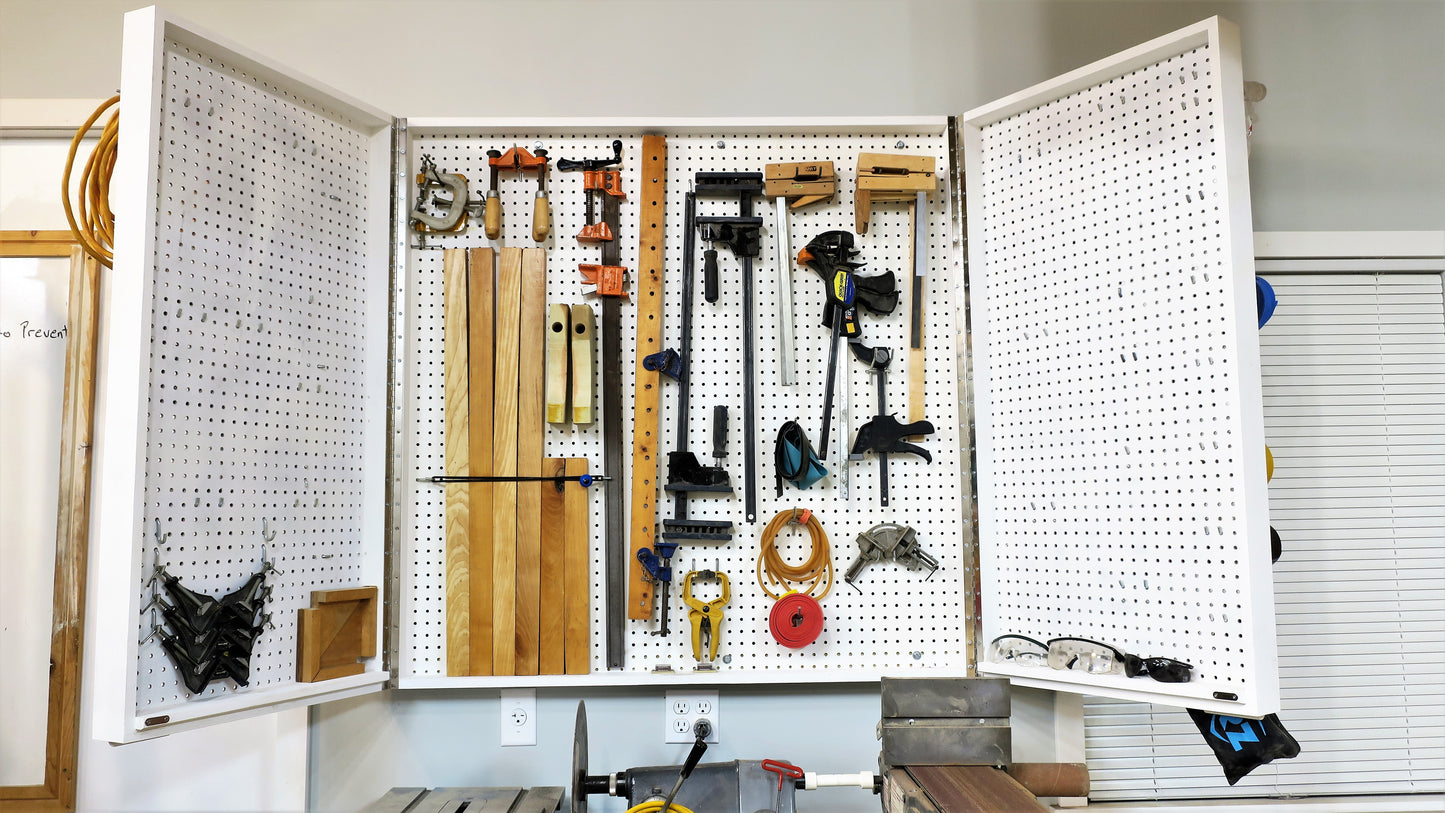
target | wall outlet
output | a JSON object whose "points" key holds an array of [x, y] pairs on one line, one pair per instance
{"points": [[682, 713], [519, 717]]}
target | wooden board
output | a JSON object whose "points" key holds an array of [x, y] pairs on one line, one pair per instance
{"points": [[531, 427], [974, 789], [551, 657], [915, 354], [577, 572], [584, 359], [647, 383], [456, 423], [335, 633], [559, 361], [504, 463], [481, 284]]}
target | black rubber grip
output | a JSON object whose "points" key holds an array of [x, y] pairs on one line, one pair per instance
{"points": [[719, 432], [709, 275]]}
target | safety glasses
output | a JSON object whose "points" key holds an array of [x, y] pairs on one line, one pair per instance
{"points": [[1083, 655], [1018, 649], [1164, 670]]}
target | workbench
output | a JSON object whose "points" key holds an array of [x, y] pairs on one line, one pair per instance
{"points": [[475, 800]]}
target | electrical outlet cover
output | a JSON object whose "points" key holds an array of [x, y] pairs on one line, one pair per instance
{"points": [[519, 716], [683, 710]]}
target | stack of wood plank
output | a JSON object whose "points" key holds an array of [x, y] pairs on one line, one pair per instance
{"points": [[516, 552]]}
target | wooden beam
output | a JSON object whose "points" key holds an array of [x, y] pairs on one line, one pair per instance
{"points": [[36, 243], [504, 463], [531, 428], [551, 656], [481, 316], [456, 422], [647, 384], [577, 572]]}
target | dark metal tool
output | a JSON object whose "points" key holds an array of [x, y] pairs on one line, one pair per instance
{"points": [[884, 434], [584, 480], [830, 255], [610, 278], [889, 542], [684, 473], [741, 234]]}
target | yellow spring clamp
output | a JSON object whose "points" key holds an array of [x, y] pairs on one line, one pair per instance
{"points": [[706, 617]]}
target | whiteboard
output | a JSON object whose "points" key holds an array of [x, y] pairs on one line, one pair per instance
{"points": [[33, 292]]}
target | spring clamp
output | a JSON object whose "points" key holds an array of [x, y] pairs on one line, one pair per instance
{"points": [[706, 617]]}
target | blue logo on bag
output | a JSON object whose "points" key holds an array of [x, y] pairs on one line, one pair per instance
{"points": [[1233, 730]]}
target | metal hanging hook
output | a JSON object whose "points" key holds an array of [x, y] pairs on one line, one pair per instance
{"points": [[155, 629]]}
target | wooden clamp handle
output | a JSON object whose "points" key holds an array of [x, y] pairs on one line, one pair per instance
{"points": [[493, 216], [541, 219]]}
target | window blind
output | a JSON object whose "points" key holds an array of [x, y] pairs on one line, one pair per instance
{"points": [[1354, 406]]}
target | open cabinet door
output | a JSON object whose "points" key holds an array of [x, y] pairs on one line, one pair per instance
{"points": [[1120, 441], [242, 386]]}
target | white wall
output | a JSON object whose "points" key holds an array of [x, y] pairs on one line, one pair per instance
{"points": [[256, 764], [1350, 136]]}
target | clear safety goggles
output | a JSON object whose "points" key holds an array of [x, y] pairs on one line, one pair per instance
{"points": [[1083, 655], [1018, 649]]}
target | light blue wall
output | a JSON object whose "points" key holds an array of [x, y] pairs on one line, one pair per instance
{"points": [[363, 746]]}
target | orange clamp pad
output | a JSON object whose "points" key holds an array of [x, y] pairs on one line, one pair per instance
{"points": [[595, 233], [603, 180], [609, 279], [517, 159]]}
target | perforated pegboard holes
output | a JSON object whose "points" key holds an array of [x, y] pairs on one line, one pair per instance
{"points": [[898, 614], [1103, 312], [258, 348]]}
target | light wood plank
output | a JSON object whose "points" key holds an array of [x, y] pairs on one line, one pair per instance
{"points": [[915, 354], [577, 572], [504, 463], [481, 315], [647, 386], [584, 359], [36, 243], [559, 361], [72, 538], [551, 659], [531, 428], [456, 424]]}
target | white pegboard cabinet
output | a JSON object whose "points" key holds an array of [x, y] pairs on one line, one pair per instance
{"points": [[271, 351]]}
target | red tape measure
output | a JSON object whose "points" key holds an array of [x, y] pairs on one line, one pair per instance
{"points": [[796, 620]]}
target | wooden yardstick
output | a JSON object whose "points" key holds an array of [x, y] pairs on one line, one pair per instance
{"points": [[648, 292]]}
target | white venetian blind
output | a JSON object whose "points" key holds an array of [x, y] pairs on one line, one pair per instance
{"points": [[1354, 407]]}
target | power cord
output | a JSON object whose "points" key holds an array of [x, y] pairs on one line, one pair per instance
{"points": [[95, 227]]}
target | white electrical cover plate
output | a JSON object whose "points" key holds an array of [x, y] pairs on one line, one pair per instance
{"points": [[1118, 408]]}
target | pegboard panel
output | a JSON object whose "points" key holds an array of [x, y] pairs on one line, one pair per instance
{"points": [[263, 369], [1118, 409], [900, 622]]}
